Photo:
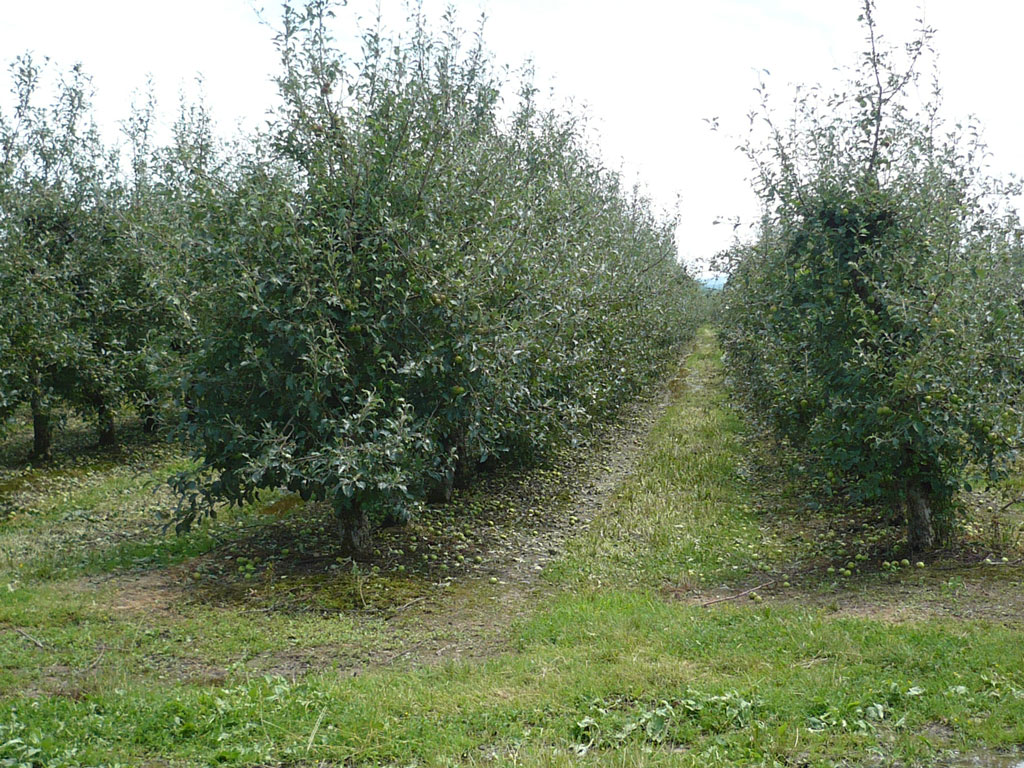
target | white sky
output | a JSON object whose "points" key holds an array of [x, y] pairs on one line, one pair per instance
{"points": [[647, 71]]}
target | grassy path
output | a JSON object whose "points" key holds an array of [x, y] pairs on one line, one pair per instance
{"points": [[611, 658]]}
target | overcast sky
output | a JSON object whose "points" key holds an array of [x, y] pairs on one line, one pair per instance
{"points": [[648, 72]]}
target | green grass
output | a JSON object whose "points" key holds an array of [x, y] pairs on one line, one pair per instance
{"points": [[686, 516], [740, 685], [97, 511], [614, 661]]}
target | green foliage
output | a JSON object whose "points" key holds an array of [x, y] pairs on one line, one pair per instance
{"points": [[875, 322], [611, 724], [85, 318], [411, 285]]}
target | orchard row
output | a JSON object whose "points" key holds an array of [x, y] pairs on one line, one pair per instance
{"points": [[402, 278]]}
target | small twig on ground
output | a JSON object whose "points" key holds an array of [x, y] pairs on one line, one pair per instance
{"points": [[979, 562], [27, 636], [1010, 503], [738, 594], [390, 659], [407, 605]]}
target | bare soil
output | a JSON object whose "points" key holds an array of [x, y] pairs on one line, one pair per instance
{"points": [[825, 552]]}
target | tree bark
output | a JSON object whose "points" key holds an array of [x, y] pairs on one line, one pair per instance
{"points": [[42, 432], [920, 531], [463, 468], [149, 419], [463, 473], [355, 533], [105, 423], [440, 492]]}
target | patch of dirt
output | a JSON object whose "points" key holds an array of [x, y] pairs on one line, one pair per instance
{"points": [[851, 560], [152, 592], [945, 590], [52, 679]]}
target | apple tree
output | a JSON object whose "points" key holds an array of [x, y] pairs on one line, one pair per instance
{"points": [[871, 322]]}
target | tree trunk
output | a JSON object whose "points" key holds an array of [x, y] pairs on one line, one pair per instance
{"points": [[105, 423], [42, 432], [440, 492], [463, 467], [149, 420], [354, 530], [920, 531], [148, 411], [463, 473]]}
